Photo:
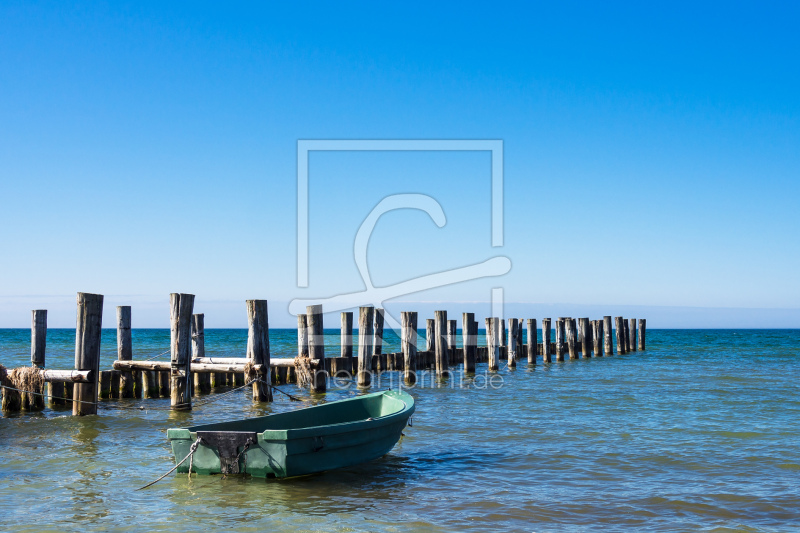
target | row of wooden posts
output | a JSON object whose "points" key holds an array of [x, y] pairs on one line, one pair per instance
{"points": [[189, 372]]}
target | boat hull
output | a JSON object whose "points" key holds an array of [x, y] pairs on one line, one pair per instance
{"points": [[298, 451]]}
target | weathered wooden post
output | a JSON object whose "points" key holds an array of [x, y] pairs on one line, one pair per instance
{"points": [[202, 380], [560, 334], [441, 359], [150, 383], [364, 375], [597, 337], [513, 327], [627, 338], [127, 383], [430, 335], [533, 341], [180, 348], [546, 355], [87, 351], [632, 338], [316, 347], [377, 346], [642, 327], [105, 384], [494, 344], [452, 328], [607, 340], [38, 337], [258, 348], [469, 338], [620, 330], [35, 402], [503, 339], [572, 344], [164, 384], [586, 338], [347, 334], [409, 346], [489, 329], [302, 336]]}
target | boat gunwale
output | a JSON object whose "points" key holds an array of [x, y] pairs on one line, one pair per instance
{"points": [[407, 409]]}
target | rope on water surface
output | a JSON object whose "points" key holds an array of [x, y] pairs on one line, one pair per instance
{"points": [[192, 449]]}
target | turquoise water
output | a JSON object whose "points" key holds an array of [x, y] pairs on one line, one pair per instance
{"points": [[699, 432]]}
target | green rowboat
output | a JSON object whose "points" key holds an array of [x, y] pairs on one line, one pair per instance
{"points": [[306, 441]]}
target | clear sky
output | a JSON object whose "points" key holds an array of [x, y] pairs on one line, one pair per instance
{"points": [[650, 154]]}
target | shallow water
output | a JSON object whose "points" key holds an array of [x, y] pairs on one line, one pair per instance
{"points": [[700, 432]]}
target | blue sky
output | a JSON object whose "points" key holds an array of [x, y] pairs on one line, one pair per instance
{"points": [[650, 154]]}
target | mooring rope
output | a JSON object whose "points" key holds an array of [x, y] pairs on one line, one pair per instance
{"points": [[158, 355], [273, 387], [192, 449]]}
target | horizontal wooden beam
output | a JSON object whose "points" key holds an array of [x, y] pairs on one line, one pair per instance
{"points": [[199, 368], [68, 376], [241, 361]]}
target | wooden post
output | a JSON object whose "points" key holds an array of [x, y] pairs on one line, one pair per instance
{"points": [[365, 317], [489, 328], [12, 400], [316, 346], [430, 335], [180, 347], [597, 336], [125, 351], [627, 340], [533, 341], [115, 376], [347, 335], [377, 346], [494, 344], [607, 340], [164, 383], [452, 327], [38, 337], [258, 347], [572, 345], [642, 328], [560, 334], [202, 380], [469, 338], [35, 402], [105, 384], [546, 355], [620, 329], [55, 393], [440, 318], [302, 335], [632, 338], [586, 338], [408, 344], [513, 327], [87, 351], [503, 340], [150, 383]]}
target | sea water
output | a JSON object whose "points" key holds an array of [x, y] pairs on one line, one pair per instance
{"points": [[698, 432]]}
